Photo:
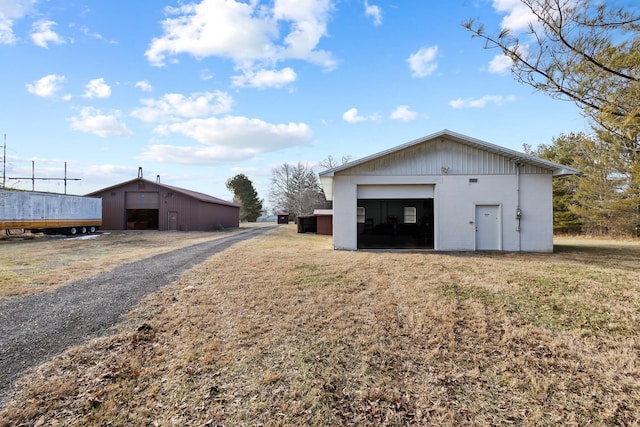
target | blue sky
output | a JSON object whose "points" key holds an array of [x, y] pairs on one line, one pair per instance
{"points": [[197, 92]]}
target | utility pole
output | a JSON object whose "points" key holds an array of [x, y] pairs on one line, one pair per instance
{"points": [[4, 163]]}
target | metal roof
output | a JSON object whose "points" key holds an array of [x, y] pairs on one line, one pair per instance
{"points": [[193, 194], [558, 169], [322, 212]]}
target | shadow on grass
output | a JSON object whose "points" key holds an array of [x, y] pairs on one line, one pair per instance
{"points": [[605, 249], [606, 253]]}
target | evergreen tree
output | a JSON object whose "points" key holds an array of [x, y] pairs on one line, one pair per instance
{"points": [[624, 177], [604, 200], [563, 150], [246, 196], [598, 190], [588, 52]]}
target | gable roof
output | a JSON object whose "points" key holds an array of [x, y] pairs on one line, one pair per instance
{"points": [[193, 194], [556, 168]]}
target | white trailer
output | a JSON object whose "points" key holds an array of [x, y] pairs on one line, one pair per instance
{"points": [[50, 213]]}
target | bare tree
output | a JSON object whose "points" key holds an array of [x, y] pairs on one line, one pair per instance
{"points": [[296, 188], [331, 162]]}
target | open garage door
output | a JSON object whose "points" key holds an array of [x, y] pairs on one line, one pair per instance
{"points": [[395, 216], [143, 209]]}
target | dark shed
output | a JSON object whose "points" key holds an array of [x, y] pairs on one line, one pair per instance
{"points": [[283, 217], [321, 222], [306, 224], [141, 204]]}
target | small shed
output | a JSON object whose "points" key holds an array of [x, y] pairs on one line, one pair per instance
{"points": [[140, 204], [283, 217], [321, 222], [324, 221], [445, 191]]}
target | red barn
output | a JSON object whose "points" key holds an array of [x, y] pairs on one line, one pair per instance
{"points": [[141, 204]]}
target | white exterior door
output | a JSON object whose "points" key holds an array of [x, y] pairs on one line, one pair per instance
{"points": [[487, 227]]}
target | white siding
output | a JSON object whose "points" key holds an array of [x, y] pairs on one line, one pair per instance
{"points": [[457, 213], [460, 177], [455, 199], [439, 157]]}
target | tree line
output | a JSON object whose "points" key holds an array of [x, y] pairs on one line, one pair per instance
{"points": [[586, 52]]}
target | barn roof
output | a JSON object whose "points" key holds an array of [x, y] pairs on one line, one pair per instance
{"points": [[516, 156], [189, 193]]}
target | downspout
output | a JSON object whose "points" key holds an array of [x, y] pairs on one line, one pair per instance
{"points": [[518, 210]]}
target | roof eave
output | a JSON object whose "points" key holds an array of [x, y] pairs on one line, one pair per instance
{"points": [[556, 168]]}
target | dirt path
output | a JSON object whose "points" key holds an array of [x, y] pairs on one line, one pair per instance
{"points": [[35, 328]]}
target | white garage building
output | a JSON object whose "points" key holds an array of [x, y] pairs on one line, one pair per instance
{"points": [[447, 192]]}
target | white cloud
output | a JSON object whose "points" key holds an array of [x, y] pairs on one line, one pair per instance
{"points": [[248, 33], [198, 155], [42, 34], [47, 86], [11, 10], [307, 20], [91, 120], [404, 113], [6, 31], [144, 86], [206, 74], [230, 138], [374, 12], [481, 102], [265, 78], [518, 15], [423, 62], [351, 116], [107, 169], [87, 32], [213, 28], [97, 88], [175, 106], [500, 64], [249, 171]]}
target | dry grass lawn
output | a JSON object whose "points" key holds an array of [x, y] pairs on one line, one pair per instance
{"points": [[282, 330], [36, 263]]}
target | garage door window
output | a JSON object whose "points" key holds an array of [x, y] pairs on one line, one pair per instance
{"points": [[361, 215], [410, 215]]}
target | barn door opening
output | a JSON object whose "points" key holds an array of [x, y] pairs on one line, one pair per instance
{"points": [[142, 210], [142, 219], [488, 227], [395, 223]]}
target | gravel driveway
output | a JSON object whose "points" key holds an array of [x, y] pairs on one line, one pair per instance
{"points": [[35, 328]]}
